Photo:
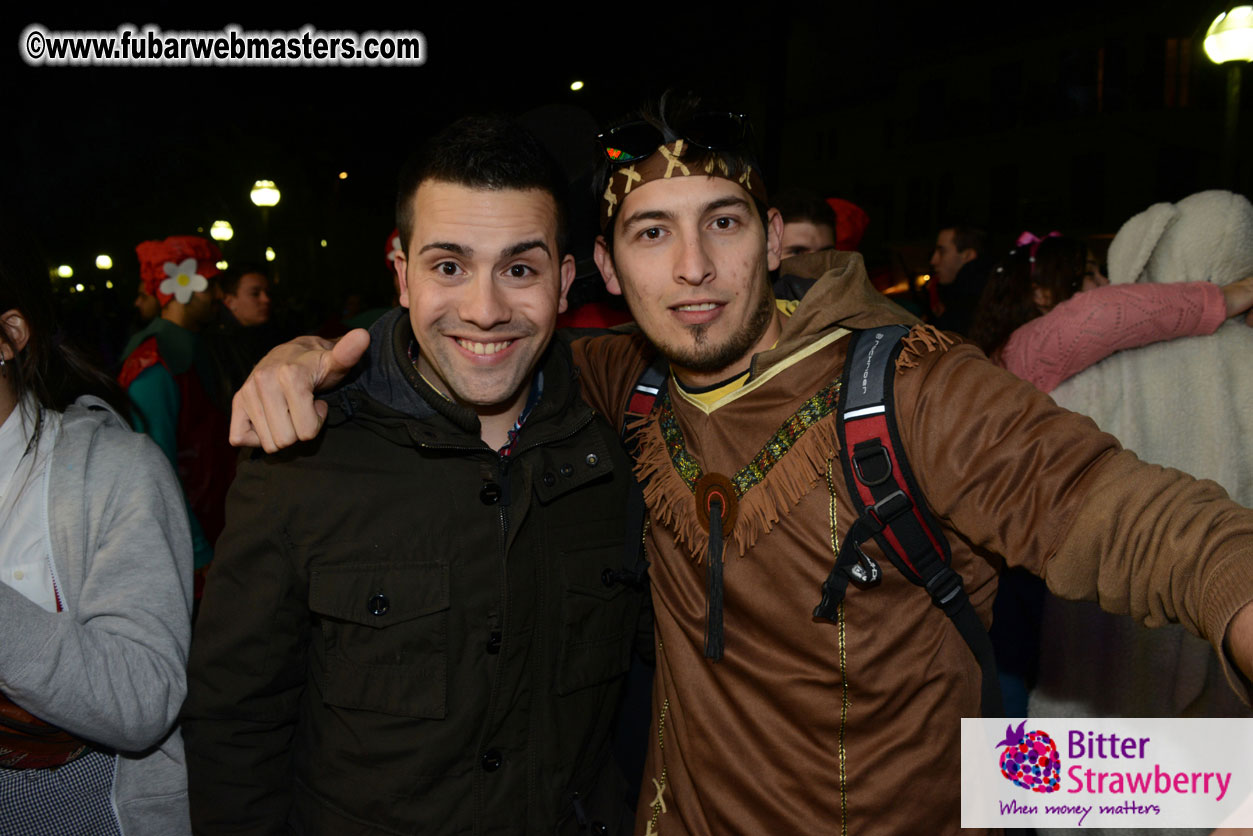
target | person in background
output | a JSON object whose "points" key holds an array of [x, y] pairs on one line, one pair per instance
{"points": [[170, 380], [246, 294], [1175, 269], [95, 590], [808, 223], [959, 273], [1049, 313]]}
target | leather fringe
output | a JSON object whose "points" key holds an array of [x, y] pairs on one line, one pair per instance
{"points": [[922, 339], [671, 504]]}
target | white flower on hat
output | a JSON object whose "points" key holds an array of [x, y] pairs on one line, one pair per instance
{"points": [[183, 280]]}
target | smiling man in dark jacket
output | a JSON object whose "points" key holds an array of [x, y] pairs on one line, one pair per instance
{"points": [[415, 623]]}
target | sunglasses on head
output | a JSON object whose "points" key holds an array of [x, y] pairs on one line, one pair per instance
{"points": [[708, 130]]}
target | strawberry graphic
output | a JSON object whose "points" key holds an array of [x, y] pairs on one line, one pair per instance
{"points": [[1030, 759]]}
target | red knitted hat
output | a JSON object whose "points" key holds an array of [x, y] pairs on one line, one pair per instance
{"points": [[166, 261]]}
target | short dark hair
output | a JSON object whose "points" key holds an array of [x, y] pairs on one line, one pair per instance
{"points": [[800, 205], [967, 237], [482, 152], [228, 279], [674, 108]]}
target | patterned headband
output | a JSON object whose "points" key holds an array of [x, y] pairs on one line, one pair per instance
{"points": [[668, 162]]}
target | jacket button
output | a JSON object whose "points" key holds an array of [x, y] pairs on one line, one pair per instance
{"points": [[493, 642], [591, 460], [608, 577], [600, 828], [549, 479], [491, 760], [566, 470], [489, 494], [379, 605]]}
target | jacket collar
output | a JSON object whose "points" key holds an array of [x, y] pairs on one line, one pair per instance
{"points": [[842, 297], [387, 390]]}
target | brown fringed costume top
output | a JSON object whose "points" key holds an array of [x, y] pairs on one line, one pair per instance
{"points": [[808, 726]]}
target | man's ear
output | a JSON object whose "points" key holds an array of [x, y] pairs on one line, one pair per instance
{"points": [[401, 265], [968, 255], [774, 239], [604, 262], [567, 279], [16, 331]]}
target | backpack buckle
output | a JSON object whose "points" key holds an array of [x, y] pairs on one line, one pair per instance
{"points": [[887, 509], [945, 588], [871, 463]]}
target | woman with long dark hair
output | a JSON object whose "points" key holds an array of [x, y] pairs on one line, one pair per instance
{"points": [[95, 589]]}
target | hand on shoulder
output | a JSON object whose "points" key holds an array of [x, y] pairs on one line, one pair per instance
{"points": [[275, 407]]}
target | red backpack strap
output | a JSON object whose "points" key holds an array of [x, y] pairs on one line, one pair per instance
{"points": [[891, 507]]}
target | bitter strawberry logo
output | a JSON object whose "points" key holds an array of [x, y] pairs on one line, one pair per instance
{"points": [[1030, 759]]}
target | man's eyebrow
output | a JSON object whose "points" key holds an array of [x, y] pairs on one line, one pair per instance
{"points": [[524, 246], [448, 246], [647, 215], [727, 202]]}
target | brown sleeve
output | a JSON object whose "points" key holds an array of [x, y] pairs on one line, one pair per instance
{"points": [[1019, 476], [608, 368]]}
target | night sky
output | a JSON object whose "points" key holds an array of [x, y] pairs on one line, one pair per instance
{"points": [[102, 158]]}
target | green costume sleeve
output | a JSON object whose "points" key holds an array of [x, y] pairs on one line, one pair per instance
{"points": [[155, 398], [154, 395]]}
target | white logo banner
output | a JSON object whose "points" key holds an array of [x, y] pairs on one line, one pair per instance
{"points": [[1107, 772]]}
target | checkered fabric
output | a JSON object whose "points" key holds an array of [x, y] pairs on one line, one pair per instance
{"points": [[71, 800]]}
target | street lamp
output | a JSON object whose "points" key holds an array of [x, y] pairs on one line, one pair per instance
{"points": [[1229, 40], [221, 231], [264, 193], [1230, 36], [103, 262]]}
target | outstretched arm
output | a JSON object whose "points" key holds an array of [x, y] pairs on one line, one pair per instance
{"points": [[275, 406]]}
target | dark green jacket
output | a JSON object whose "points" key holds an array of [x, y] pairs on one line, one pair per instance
{"points": [[404, 632]]}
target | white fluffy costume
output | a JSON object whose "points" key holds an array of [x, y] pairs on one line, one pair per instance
{"points": [[1187, 404]]}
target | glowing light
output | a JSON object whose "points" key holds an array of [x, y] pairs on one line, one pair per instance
{"points": [[264, 193], [65, 271], [103, 262], [109, 284], [576, 86], [222, 265], [923, 279], [323, 242], [1230, 36], [269, 253], [221, 231], [79, 288], [343, 175]]}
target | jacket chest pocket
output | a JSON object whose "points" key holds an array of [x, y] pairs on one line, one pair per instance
{"points": [[599, 611], [384, 636]]}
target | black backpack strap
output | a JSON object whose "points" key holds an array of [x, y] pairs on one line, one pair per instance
{"points": [[644, 394], [891, 507]]}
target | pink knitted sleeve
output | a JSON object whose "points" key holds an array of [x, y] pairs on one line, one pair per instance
{"points": [[1090, 326]]}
